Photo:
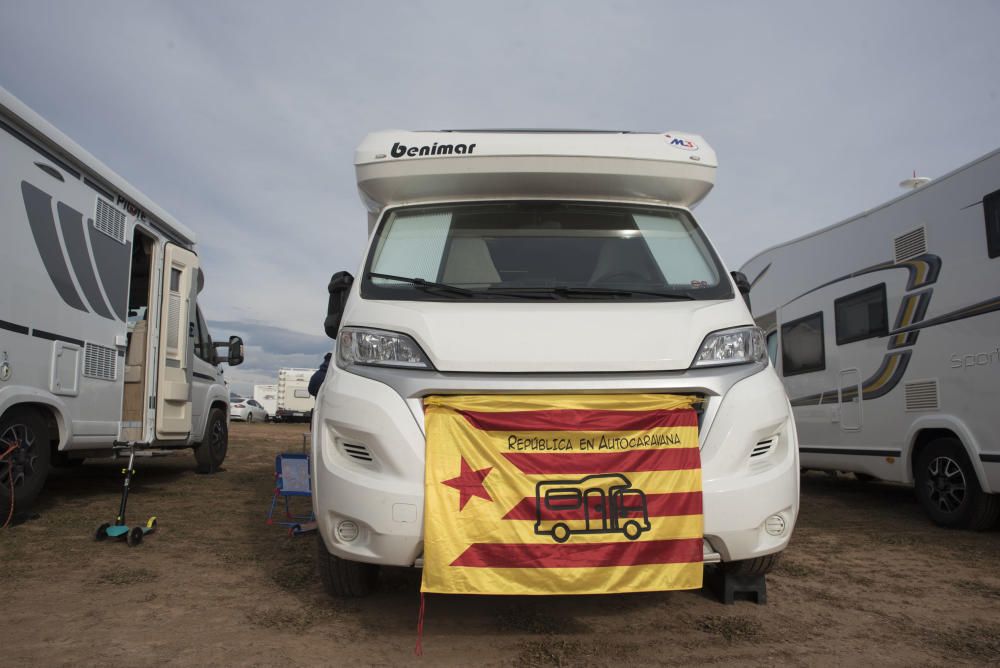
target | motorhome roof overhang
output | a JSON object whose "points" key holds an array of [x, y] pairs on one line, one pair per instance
{"points": [[37, 129], [403, 167]]}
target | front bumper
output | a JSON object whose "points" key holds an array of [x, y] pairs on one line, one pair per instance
{"points": [[368, 453]]}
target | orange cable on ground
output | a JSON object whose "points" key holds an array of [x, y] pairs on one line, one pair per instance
{"points": [[10, 515]]}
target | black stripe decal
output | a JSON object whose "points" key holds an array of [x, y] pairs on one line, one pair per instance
{"points": [[41, 334], [99, 190], [38, 205], [847, 451], [71, 222], [11, 327], [202, 376], [990, 457]]}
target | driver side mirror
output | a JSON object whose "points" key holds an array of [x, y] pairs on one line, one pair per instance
{"points": [[235, 351], [235, 346], [742, 284], [339, 288]]}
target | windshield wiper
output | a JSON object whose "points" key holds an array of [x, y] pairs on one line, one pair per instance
{"points": [[421, 283], [567, 291], [454, 289]]}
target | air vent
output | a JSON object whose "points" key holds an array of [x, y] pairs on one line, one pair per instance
{"points": [[910, 244], [357, 452], [763, 447], [100, 362], [173, 321], [110, 220], [921, 395]]}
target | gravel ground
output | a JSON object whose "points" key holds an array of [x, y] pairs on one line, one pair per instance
{"points": [[867, 579]]}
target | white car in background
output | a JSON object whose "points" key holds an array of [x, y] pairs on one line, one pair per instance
{"points": [[248, 410]]}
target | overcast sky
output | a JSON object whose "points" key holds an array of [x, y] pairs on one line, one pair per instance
{"points": [[240, 118]]}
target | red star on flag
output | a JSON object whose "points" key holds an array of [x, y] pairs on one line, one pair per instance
{"points": [[469, 484]]}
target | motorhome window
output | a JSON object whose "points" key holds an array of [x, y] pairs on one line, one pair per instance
{"points": [[619, 249], [563, 499], [175, 280], [861, 315], [991, 209], [802, 346], [301, 394]]}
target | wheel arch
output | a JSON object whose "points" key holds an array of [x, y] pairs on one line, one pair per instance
{"points": [[49, 407], [931, 428]]}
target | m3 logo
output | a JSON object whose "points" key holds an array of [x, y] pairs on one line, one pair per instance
{"points": [[108, 269], [680, 142]]}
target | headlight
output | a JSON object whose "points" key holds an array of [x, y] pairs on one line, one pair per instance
{"points": [[379, 348], [740, 345]]}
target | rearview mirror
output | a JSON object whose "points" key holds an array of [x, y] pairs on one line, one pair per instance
{"points": [[339, 288], [235, 351], [235, 346], [742, 284]]}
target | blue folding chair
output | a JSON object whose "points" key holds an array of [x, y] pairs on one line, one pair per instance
{"points": [[292, 478]]}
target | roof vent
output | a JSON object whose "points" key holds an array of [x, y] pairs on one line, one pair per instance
{"points": [[910, 245], [100, 362], [110, 220], [921, 395]]}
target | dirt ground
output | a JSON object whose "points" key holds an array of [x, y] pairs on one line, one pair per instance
{"points": [[867, 579]]}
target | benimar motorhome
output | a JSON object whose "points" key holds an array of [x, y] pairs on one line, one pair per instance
{"points": [[538, 263], [885, 329], [100, 336]]}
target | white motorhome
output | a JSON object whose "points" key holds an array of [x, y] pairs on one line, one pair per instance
{"points": [[267, 396], [294, 403], [538, 262], [101, 339], [885, 329]]}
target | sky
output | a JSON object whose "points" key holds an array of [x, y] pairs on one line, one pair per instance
{"points": [[241, 118]]}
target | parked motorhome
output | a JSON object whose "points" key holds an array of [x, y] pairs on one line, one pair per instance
{"points": [[540, 262], [294, 403], [885, 330], [101, 338], [267, 396]]}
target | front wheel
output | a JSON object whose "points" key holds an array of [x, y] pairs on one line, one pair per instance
{"points": [[948, 489], [23, 437], [211, 452], [343, 578], [752, 567]]}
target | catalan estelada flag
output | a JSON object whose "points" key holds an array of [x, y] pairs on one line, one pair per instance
{"points": [[570, 494]]}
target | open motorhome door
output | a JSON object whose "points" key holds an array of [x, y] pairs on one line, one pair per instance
{"points": [[173, 385]]}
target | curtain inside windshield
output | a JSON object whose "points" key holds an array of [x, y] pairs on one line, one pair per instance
{"points": [[544, 245]]}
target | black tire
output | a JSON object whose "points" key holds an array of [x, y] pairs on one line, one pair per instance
{"points": [[134, 536], [342, 578], [752, 567], [102, 532], [211, 452], [949, 490], [29, 465]]}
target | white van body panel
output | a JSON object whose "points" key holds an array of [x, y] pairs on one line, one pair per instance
{"points": [[368, 427], [937, 366]]}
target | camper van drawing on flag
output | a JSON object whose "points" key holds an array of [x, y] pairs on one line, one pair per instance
{"points": [[604, 503]]}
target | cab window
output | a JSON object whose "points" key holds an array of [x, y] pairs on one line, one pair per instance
{"points": [[203, 340]]}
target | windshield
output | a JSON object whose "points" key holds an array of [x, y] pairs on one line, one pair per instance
{"points": [[564, 250]]}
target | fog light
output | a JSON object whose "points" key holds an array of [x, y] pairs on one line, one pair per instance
{"points": [[347, 531], [775, 525]]}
